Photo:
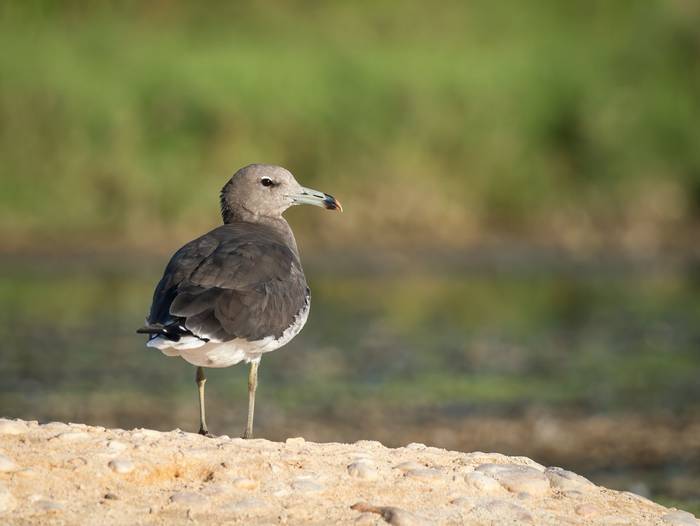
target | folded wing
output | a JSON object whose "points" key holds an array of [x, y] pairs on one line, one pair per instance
{"points": [[230, 283]]}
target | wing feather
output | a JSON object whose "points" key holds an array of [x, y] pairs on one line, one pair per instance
{"points": [[234, 282]]}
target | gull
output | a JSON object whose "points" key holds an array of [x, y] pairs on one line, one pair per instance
{"points": [[238, 291]]}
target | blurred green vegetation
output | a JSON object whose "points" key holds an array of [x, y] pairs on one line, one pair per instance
{"points": [[503, 342], [573, 123]]}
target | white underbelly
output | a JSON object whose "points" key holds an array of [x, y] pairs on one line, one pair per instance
{"points": [[225, 354]]}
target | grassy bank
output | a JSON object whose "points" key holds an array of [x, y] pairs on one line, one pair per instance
{"points": [[567, 123]]}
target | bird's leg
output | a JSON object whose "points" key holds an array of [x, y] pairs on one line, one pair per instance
{"points": [[201, 380], [252, 386]]}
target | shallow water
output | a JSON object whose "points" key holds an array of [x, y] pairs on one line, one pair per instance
{"points": [[464, 356]]}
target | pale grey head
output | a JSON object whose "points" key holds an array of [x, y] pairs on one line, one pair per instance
{"points": [[266, 191]]}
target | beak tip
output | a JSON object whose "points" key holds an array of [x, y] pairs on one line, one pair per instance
{"points": [[331, 203]]}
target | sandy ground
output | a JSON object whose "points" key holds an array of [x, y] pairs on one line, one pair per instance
{"points": [[76, 474]]}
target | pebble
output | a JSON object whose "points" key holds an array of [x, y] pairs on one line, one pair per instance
{"points": [[121, 465], [587, 510], [391, 515], [482, 483], [55, 427], [245, 483], [145, 434], [152, 433], [517, 478], [515, 513], [362, 469], [249, 504], [369, 444], [567, 480], [279, 491], [116, 446], [75, 463], [187, 497], [424, 474], [72, 436], [12, 427], [366, 519], [306, 486], [463, 502], [680, 518], [48, 506], [639, 498], [295, 442], [409, 466], [110, 496], [491, 469], [7, 465], [416, 446], [214, 489], [7, 501]]}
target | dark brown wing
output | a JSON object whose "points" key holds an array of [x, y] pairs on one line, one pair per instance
{"points": [[238, 281]]}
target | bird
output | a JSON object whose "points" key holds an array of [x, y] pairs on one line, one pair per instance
{"points": [[238, 291]]}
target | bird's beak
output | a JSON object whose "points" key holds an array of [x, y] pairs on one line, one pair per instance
{"points": [[308, 196]]}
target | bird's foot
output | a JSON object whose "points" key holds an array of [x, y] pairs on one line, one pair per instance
{"points": [[247, 435], [205, 432]]}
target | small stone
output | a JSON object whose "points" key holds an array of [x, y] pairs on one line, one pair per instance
{"points": [[75, 463], [187, 497], [306, 486], [491, 469], [391, 515], [424, 474], [367, 519], [121, 465], [409, 466], [416, 446], [249, 504], [567, 480], [116, 446], [110, 496], [245, 483], [482, 483], [639, 498], [152, 433], [7, 501], [279, 491], [573, 494], [517, 478], [363, 470], [587, 510], [214, 489], [56, 427], [12, 427], [462, 502], [295, 442], [147, 435], [49, 506], [680, 518], [369, 444], [509, 511], [72, 436], [7, 465]]}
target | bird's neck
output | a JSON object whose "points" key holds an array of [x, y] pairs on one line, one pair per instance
{"points": [[277, 223]]}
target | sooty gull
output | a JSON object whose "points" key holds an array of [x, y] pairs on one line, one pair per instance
{"points": [[239, 291]]}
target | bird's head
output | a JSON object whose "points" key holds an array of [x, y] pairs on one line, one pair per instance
{"points": [[267, 191]]}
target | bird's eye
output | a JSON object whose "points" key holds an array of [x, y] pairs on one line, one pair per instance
{"points": [[266, 181]]}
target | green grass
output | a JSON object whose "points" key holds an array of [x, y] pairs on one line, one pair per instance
{"points": [[432, 124]]}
